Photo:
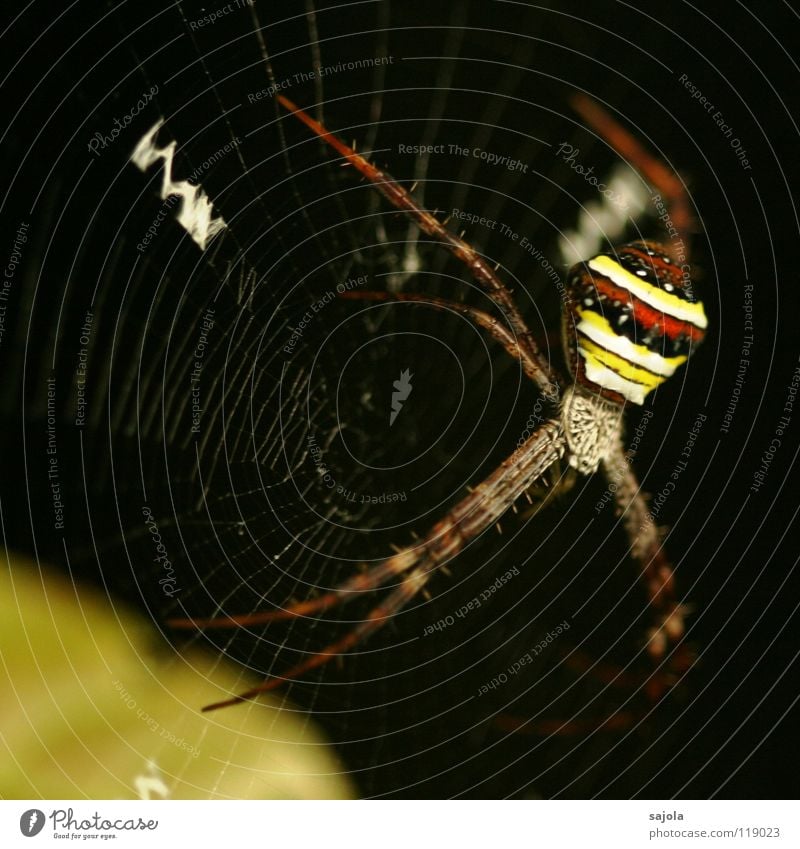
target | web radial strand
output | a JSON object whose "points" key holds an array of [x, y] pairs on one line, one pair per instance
{"points": [[250, 409]]}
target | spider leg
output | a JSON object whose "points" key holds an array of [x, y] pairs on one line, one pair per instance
{"points": [[375, 619], [646, 548], [481, 508], [429, 224], [666, 633], [649, 166], [616, 722], [606, 715], [363, 582], [478, 317], [610, 717]]}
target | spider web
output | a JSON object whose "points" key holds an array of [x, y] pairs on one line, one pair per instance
{"points": [[289, 473]]}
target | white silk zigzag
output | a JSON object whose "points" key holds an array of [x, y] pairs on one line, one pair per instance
{"points": [[195, 213]]}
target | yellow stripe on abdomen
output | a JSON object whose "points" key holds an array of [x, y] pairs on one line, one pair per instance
{"points": [[619, 365], [669, 304], [597, 328]]}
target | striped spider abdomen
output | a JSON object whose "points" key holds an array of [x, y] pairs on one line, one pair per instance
{"points": [[632, 319]]}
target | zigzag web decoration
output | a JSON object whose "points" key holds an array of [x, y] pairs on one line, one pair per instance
{"points": [[195, 212]]}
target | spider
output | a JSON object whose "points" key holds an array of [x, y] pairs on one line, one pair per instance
{"points": [[631, 319]]}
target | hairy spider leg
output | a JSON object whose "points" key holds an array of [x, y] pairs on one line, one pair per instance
{"points": [[366, 581], [381, 573], [478, 317], [645, 539], [374, 620], [644, 535], [666, 635], [646, 548], [476, 512], [619, 718], [488, 502], [649, 166], [429, 224]]}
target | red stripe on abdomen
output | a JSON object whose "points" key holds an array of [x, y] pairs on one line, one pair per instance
{"points": [[646, 315]]}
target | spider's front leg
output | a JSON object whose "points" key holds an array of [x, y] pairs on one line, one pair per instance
{"points": [[414, 565], [536, 365], [478, 317]]}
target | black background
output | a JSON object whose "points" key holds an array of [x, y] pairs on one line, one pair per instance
{"points": [[400, 713]]}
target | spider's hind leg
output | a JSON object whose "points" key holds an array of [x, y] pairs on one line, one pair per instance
{"points": [[628, 694], [375, 619], [480, 509], [612, 698], [647, 550]]}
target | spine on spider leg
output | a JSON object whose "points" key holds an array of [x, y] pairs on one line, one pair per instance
{"points": [[414, 565], [429, 224], [645, 538], [489, 501], [479, 317], [478, 511], [382, 181]]}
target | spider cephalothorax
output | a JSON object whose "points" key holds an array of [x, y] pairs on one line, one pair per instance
{"points": [[631, 319]]}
